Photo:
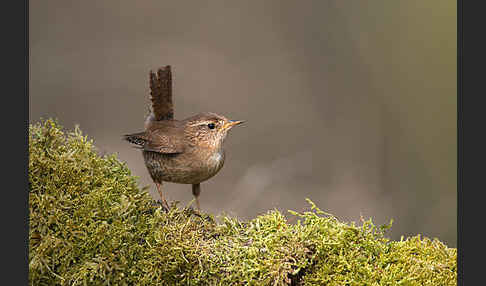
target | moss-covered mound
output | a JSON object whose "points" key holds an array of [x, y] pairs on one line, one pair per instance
{"points": [[91, 225]]}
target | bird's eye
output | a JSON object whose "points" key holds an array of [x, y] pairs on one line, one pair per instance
{"points": [[211, 125]]}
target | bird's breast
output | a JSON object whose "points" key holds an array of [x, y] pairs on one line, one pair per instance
{"points": [[215, 162], [217, 158], [186, 168], [205, 166]]}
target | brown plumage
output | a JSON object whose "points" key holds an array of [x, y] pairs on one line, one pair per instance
{"points": [[185, 151], [161, 94]]}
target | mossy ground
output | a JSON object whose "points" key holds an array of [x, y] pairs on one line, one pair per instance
{"points": [[90, 224]]}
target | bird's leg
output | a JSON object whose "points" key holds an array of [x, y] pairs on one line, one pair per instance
{"points": [[196, 190], [159, 189]]}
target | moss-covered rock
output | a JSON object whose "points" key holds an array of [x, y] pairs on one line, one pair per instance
{"points": [[91, 225]]}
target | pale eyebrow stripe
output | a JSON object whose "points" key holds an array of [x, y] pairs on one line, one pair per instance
{"points": [[201, 123]]}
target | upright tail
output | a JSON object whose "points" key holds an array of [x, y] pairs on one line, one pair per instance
{"points": [[161, 94]]}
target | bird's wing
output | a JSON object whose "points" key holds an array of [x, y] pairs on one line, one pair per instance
{"points": [[166, 139], [161, 94]]}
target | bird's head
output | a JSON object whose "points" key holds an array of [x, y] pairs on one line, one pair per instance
{"points": [[208, 129]]}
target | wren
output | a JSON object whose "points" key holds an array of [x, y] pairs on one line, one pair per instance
{"points": [[188, 151]]}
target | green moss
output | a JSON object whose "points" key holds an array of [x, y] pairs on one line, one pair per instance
{"points": [[91, 225]]}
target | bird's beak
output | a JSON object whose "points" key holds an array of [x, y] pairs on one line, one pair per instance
{"points": [[232, 123]]}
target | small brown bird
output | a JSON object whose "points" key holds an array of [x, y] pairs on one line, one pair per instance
{"points": [[185, 151]]}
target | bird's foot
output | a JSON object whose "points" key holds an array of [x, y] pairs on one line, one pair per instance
{"points": [[158, 203]]}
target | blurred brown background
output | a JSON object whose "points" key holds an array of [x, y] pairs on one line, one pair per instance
{"points": [[349, 103]]}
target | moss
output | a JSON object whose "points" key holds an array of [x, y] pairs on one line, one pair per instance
{"points": [[90, 224]]}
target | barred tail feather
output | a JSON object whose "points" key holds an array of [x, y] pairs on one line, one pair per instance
{"points": [[161, 94], [137, 139]]}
